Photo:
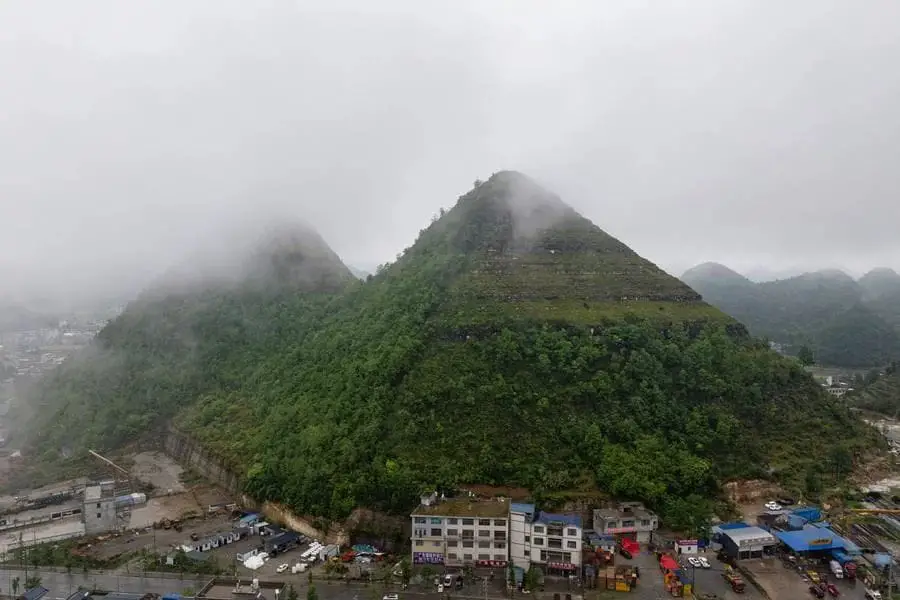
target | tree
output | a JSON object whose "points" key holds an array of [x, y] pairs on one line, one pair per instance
{"points": [[32, 581], [311, 593], [805, 356], [309, 577], [532, 579], [405, 571], [292, 593]]}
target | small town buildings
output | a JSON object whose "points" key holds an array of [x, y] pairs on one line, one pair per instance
{"points": [[215, 540], [626, 520], [687, 546], [550, 541], [460, 532]]}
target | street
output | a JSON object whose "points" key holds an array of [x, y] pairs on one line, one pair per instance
{"points": [[63, 584]]}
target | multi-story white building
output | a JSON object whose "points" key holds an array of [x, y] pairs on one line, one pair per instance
{"points": [[550, 541], [461, 531], [627, 520]]}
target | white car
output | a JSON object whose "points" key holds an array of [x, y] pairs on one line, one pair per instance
{"points": [[773, 506], [282, 568], [391, 597], [704, 563], [873, 595], [695, 562]]}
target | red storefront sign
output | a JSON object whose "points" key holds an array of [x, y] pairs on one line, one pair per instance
{"points": [[562, 566], [496, 564]]}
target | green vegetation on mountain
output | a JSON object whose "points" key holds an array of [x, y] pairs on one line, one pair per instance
{"points": [[514, 343], [879, 393], [844, 322]]}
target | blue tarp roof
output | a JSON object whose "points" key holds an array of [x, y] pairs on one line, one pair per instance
{"points": [[801, 540], [735, 525], [547, 518], [882, 559], [522, 507]]}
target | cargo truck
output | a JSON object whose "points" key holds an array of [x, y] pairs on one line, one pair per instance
{"points": [[734, 579], [836, 569]]}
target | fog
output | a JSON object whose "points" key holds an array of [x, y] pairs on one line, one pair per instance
{"points": [[758, 134]]}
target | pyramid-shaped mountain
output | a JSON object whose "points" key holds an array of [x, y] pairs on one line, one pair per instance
{"points": [[514, 343], [518, 250]]}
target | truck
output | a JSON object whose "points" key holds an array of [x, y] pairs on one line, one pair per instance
{"points": [[836, 569], [734, 580], [850, 570]]}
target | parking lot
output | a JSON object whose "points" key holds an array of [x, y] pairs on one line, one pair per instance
{"points": [[706, 581], [787, 584]]}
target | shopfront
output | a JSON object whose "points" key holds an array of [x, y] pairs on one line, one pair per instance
{"points": [[428, 558]]}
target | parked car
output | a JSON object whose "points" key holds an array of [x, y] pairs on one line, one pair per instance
{"points": [[815, 591], [773, 506], [832, 589], [704, 563], [695, 562], [873, 595], [282, 568], [390, 597]]}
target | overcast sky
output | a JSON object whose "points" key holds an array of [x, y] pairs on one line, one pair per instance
{"points": [[756, 133]]}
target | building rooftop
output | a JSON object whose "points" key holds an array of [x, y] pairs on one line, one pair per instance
{"points": [[465, 507], [522, 508], [811, 538], [93, 492], [552, 518], [625, 510], [749, 533]]}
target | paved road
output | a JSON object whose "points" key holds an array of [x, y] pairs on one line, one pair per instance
{"points": [[63, 584]]}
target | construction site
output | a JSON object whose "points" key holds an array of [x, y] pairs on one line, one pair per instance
{"points": [[148, 498]]}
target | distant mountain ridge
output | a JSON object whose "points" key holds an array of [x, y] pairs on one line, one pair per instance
{"points": [[846, 322]]}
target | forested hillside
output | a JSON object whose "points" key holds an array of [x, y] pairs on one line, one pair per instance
{"points": [[514, 343], [845, 322], [882, 395]]}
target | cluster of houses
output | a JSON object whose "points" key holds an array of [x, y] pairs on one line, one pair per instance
{"points": [[494, 533]]}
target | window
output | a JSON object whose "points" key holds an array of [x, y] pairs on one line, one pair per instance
{"points": [[499, 522], [484, 522], [98, 515], [628, 523], [452, 544], [484, 544], [451, 556], [572, 532], [527, 552], [499, 535], [500, 545], [571, 544], [484, 557], [421, 533], [420, 519], [468, 521], [452, 521], [645, 522], [452, 532], [435, 521], [527, 538], [98, 505], [484, 533], [435, 532], [499, 557], [468, 533], [543, 556], [613, 524], [468, 544], [554, 543], [467, 556], [419, 542], [436, 544], [538, 541], [538, 528]]}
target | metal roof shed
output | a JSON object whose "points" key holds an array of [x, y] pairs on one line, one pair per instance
{"points": [[747, 542], [811, 539]]}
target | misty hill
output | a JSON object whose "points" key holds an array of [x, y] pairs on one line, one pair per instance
{"points": [[15, 317], [184, 336], [513, 343], [845, 322]]}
